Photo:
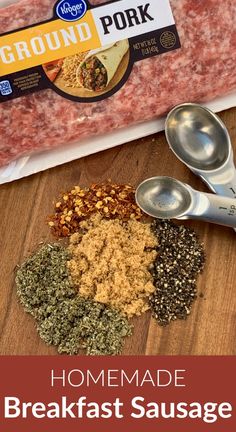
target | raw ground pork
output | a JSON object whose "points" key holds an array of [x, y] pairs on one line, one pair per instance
{"points": [[201, 70]]}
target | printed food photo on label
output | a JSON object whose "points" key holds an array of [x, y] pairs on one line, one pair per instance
{"points": [[53, 68], [90, 73]]}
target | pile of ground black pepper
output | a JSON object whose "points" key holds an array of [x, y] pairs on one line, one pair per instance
{"points": [[64, 318], [180, 259]]}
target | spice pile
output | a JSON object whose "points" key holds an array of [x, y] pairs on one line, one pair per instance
{"points": [[65, 319], [111, 261], [113, 268], [181, 258], [112, 201]]}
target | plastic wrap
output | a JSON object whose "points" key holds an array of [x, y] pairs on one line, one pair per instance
{"points": [[200, 71]]}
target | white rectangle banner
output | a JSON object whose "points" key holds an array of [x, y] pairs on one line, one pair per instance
{"points": [[129, 18]]}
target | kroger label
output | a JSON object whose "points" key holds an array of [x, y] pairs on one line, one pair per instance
{"points": [[71, 10]]}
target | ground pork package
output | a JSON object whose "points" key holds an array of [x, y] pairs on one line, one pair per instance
{"points": [[94, 76]]}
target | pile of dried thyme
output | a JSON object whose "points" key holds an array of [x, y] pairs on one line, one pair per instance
{"points": [[63, 318], [84, 324], [180, 259], [43, 280]]}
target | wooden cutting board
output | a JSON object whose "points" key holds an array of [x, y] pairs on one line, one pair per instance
{"points": [[211, 327]]}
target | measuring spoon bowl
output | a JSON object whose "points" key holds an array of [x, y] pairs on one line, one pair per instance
{"points": [[163, 198], [198, 137], [201, 141]]}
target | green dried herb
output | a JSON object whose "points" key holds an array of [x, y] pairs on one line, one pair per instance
{"points": [[43, 280], [64, 319], [79, 323]]}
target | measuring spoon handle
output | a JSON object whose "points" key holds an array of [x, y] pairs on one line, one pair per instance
{"points": [[222, 182], [228, 189], [220, 210]]}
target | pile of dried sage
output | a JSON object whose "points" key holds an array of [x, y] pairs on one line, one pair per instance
{"points": [[64, 318]]}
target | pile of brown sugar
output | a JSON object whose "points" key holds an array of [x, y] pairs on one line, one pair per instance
{"points": [[110, 263]]}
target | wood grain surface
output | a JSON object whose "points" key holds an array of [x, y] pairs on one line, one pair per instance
{"points": [[211, 327]]}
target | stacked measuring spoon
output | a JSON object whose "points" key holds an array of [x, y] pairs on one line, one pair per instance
{"points": [[201, 141]]}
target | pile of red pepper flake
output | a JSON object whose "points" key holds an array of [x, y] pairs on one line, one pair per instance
{"points": [[112, 201]]}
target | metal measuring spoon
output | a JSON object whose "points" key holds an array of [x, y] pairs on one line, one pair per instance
{"points": [[201, 141], [167, 198]]}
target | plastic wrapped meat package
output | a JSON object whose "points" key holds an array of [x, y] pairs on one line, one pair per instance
{"points": [[44, 129]]}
